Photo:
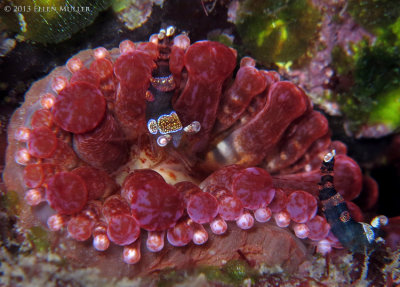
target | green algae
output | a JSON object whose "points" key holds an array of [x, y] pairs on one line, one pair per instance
{"points": [[395, 29], [374, 69], [119, 5], [134, 13], [277, 30], [38, 236], [375, 73], [388, 110], [169, 278], [51, 21], [342, 63], [10, 202], [373, 15], [238, 270], [221, 38], [233, 273]]}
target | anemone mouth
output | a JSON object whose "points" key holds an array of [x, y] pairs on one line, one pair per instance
{"points": [[168, 199]]}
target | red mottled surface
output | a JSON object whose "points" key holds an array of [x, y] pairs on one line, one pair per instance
{"points": [[176, 61], [319, 228], [42, 142], [248, 83], [105, 147], [115, 205], [253, 187], [35, 174], [222, 177], [156, 205], [263, 243], [312, 158], [285, 103], [230, 206], [79, 107], [41, 118], [355, 211], [202, 207], [186, 189], [85, 75], [134, 69], [208, 65], [80, 228], [181, 234], [109, 157], [123, 229], [347, 181], [66, 193], [135, 180], [306, 131], [63, 156], [370, 193], [103, 68], [279, 202], [98, 183], [130, 106], [301, 206]]}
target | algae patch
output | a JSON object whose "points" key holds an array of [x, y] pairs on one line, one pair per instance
{"points": [[277, 31]]}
